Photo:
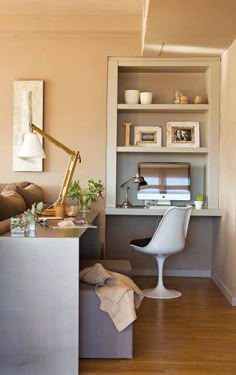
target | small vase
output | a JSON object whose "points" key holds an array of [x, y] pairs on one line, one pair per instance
{"points": [[198, 205], [146, 97], [131, 96], [72, 210], [84, 203]]}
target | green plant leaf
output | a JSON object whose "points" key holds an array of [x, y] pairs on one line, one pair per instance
{"points": [[199, 198]]}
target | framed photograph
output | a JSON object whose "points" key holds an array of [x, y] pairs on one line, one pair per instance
{"points": [[147, 136], [182, 134]]}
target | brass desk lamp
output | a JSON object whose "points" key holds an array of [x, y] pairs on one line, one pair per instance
{"points": [[137, 179]]}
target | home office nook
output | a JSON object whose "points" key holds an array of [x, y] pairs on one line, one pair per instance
{"points": [[165, 132]]}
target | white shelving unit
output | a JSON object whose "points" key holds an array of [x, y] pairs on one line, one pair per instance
{"points": [[194, 76]]}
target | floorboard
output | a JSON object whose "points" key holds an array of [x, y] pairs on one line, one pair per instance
{"points": [[191, 335]]}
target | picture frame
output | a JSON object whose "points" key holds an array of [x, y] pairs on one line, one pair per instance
{"points": [[149, 136], [183, 134]]}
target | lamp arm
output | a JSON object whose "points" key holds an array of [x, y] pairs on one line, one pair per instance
{"points": [[67, 179], [74, 157], [126, 182], [52, 140]]}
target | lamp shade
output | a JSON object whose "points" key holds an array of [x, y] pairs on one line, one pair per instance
{"points": [[139, 179], [31, 147]]}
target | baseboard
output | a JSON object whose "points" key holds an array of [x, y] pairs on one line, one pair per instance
{"points": [[224, 290], [179, 273]]}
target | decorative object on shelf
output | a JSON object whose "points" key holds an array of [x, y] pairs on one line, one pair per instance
{"points": [[28, 108], [85, 197], [198, 99], [177, 97], [147, 136], [146, 97], [127, 126], [199, 201], [32, 148], [131, 96], [183, 134], [184, 99], [137, 179]]}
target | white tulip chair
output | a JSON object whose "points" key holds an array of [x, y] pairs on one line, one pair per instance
{"points": [[168, 239]]}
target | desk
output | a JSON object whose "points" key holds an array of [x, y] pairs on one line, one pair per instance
{"points": [[126, 224], [39, 301], [159, 211]]}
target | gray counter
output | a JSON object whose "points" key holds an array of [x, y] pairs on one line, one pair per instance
{"points": [[39, 301]]}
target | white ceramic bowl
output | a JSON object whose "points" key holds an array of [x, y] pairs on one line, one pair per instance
{"points": [[131, 96], [146, 97]]}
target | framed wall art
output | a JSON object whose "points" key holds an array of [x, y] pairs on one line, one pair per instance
{"points": [[148, 136], [183, 134], [28, 108]]}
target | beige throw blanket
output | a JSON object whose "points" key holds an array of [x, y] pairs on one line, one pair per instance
{"points": [[118, 294]]}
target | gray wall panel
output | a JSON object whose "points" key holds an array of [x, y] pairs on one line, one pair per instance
{"points": [[196, 256]]}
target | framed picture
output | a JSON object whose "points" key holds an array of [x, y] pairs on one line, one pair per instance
{"points": [[182, 134], [28, 107], [147, 136]]}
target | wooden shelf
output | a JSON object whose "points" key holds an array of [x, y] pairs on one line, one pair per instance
{"points": [[140, 211], [162, 150], [162, 107]]}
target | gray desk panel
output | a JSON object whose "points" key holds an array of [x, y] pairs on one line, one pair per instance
{"points": [[39, 306]]}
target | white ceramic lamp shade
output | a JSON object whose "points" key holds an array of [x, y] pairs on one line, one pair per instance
{"points": [[31, 147]]}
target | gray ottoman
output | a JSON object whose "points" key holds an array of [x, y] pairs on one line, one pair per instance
{"points": [[98, 336]]}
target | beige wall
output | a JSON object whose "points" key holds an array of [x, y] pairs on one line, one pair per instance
{"points": [[74, 68], [224, 255]]}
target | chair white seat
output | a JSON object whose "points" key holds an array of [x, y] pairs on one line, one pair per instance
{"points": [[168, 239]]}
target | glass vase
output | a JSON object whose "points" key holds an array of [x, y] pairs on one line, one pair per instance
{"points": [[18, 225], [30, 223], [85, 202]]}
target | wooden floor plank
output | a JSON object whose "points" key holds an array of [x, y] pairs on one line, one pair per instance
{"points": [[191, 335]]}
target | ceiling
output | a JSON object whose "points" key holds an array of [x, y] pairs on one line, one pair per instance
{"points": [[189, 27], [170, 27], [104, 7]]}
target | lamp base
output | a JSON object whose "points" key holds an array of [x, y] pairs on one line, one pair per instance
{"points": [[49, 212], [126, 204], [58, 210]]}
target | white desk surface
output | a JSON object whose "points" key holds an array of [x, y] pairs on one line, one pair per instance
{"points": [[140, 211]]}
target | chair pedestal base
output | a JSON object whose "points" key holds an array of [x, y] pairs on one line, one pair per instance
{"points": [[161, 293]]}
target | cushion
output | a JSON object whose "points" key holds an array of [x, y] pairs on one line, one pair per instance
{"points": [[4, 226], [142, 242], [12, 186], [11, 204], [31, 194]]}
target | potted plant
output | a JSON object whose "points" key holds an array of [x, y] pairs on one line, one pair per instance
{"points": [[85, 197], [199, 201]]}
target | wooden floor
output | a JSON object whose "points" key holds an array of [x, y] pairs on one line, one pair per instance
{"points": [[191, 335]]}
